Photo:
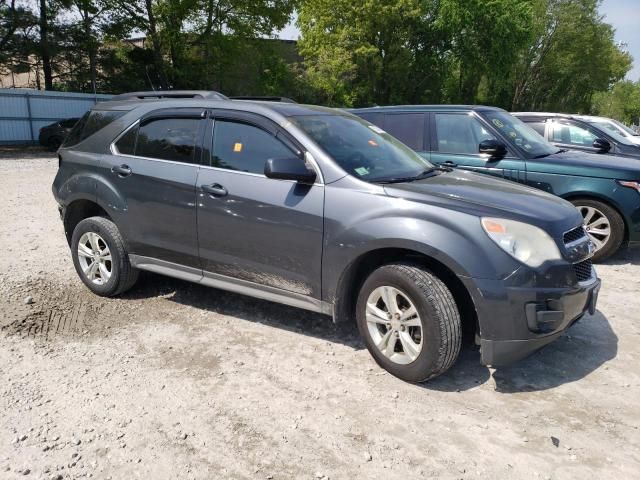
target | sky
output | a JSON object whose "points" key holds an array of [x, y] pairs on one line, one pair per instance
{"points": [[623, 15]]}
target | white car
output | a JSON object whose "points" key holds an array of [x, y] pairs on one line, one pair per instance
{"points": [[612, 126]]}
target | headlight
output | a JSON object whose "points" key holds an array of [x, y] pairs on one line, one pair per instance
{"points": [[526, 243]]}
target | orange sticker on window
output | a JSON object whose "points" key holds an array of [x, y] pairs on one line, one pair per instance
{"points": [[373, 143], [237, 147]]}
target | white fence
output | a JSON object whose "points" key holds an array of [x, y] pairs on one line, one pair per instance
{"points": [[23, 112]]}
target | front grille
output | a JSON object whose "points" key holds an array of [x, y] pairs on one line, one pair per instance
{"points": [[583, 270], [575, 234]]}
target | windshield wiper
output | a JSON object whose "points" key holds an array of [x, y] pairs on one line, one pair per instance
{"points": [[424, 174]]}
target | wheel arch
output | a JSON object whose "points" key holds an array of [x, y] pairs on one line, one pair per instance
{"points": [[594, 196], [360, 268], [77, 211]]}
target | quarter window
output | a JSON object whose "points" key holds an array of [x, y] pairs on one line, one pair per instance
{"points": [[165, 139], [407, 127], [243, 147], [89, 124], [460, 133]]}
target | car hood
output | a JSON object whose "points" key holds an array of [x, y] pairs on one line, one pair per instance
{"points": [[485, 196], [583, 164]]}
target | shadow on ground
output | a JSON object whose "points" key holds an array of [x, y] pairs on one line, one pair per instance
{"points": [[580, 351], [247, 308], [625, 256]]}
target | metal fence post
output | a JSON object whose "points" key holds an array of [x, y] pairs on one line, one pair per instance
{"points": [[31, 136]]}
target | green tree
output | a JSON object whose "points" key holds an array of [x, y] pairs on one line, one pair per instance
{"points": [[622, 102]]}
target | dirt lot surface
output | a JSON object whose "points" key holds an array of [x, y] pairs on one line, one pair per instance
{"points": [[174, 380]]}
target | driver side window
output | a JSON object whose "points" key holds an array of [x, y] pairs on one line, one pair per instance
{"points": [[243, 147], [460, 133]]}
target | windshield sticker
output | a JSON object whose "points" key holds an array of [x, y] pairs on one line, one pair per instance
{"points": [[513, 134], [362, 171], [527, 146], [376, 129], [498, 123], [237, 147], [372, 143]]}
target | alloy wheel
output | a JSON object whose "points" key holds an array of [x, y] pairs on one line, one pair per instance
{"points": [[394, 324], [596, 224], [95, 258]]}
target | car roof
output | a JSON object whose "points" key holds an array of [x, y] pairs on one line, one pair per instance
{"points": [[422, 108], [263, 107], [166, 94]]}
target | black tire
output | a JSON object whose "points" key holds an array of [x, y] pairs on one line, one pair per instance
{"points": [[616, 223], [439, 318], [123, 275]]}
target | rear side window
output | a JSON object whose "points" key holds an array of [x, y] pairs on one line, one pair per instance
{"points": [[127, 143], [243, 147], [89, 124], [406, 127], [69, 122], [165, 139]]}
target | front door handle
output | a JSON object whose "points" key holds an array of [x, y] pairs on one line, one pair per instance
{"points": [[122, 170], [215, 189]]}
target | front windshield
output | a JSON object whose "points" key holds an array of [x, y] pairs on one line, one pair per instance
{"points": [[614, 131], [519, 134], [362, 149]]}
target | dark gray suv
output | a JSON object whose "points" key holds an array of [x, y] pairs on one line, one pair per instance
{"points": [[319, 209]]}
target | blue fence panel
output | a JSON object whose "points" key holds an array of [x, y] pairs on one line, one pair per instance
{"points": [[23, 112]]}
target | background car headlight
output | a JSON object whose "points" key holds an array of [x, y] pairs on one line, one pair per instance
{"points": [[529, 244]]}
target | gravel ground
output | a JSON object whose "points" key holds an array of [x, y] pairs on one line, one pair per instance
{"points": [[175, 380]]}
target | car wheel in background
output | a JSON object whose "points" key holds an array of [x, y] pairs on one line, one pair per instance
{"points": [[409, 321], [100, 258], [603, 224]]}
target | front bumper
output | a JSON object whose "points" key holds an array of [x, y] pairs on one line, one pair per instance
{"points": [[515, 321]]}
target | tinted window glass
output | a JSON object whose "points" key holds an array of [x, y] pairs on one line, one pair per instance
{"points": [[127, 143], [361, 149], [375, 118], [537, 126], [460, 133], [68, 123], [569, 134], [238, 146], [406, 127], [168, 139], [89, 124]]}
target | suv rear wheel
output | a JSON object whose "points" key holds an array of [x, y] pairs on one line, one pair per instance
{"points": [[100, 257], [409, 321], [603, 224]]}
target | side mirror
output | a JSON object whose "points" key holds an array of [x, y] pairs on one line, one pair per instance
{"points": [[290, 168], [494, 148], [601, 145]]}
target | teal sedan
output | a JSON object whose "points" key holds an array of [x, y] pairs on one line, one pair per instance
{"points": [[605, 189]]}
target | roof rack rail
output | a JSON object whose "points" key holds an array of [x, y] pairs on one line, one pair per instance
{"points": [[265, 98], [168, 94]]}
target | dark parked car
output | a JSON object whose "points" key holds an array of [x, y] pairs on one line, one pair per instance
{"points": [[581, 132], [489, 140], [318, 209], [53, 135]]}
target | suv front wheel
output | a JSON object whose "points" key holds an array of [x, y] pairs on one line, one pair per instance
{"points": [[100, 257], [409, 321]]}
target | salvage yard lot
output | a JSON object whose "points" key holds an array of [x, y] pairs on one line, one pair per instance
{"points": [[175, 380]]}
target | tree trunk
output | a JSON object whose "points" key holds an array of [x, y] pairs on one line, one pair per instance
{"points": [[44, 47], [157, 47]]}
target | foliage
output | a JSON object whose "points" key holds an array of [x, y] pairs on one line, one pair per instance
{"points": [[622, 102], [518, 54]]}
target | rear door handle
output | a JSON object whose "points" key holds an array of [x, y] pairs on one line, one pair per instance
{"points": [[122, 170], [449, 163], [215, 189]]}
